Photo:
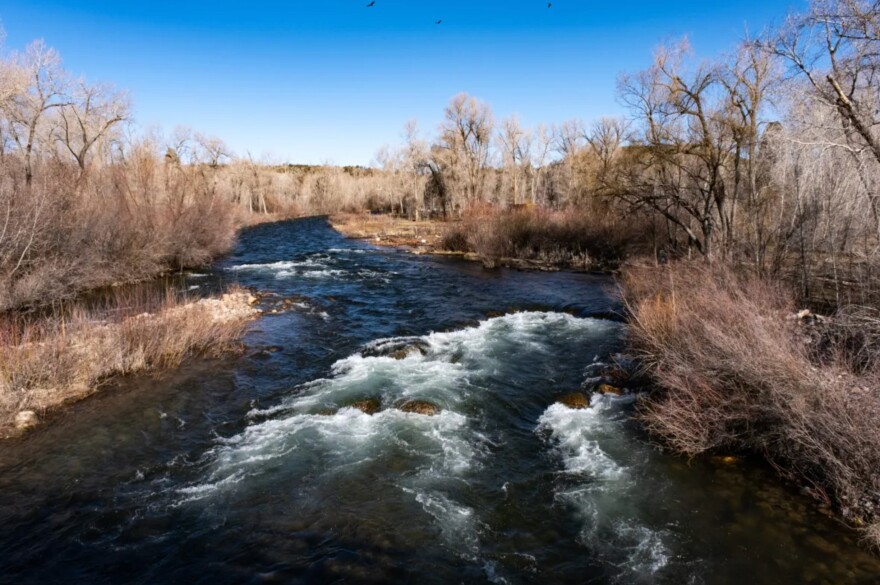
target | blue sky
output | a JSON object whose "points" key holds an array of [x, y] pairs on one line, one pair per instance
{"points": [[332, 81]]}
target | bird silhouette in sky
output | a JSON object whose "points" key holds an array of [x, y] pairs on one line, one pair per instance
{"points": [[549, 5], [439, 22], [371, 4]]}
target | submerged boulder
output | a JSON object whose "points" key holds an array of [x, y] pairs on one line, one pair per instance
{"points": [[369, 406], [420, 407], [726, 459], [609, 390], [575, 400]]}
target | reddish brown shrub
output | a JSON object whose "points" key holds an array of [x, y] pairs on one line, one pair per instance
{"points": [[734, 371], [565, 238]]}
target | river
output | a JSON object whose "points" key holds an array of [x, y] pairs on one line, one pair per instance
{"points": [[254, 469]]}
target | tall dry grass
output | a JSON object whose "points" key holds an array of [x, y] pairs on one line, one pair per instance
{"points": [[56, 359], [734, 371], [570, 237]]}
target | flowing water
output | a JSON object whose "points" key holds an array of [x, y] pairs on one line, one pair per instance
{"points": [[255, 468]]}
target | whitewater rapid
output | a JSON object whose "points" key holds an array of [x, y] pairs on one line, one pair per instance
{"points": [[317, 431]]}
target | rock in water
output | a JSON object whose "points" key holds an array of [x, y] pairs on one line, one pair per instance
{"points": [[369, 406], [26, 419], [398, 349], [609, 389], [726, 459], [575, 400], [420, 407]]}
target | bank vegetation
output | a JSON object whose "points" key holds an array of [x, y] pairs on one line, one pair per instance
{"points": [[741, 195], [734, 191]]}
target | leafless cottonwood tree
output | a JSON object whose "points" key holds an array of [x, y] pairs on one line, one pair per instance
{"points": [[92, 113], [515, 144], [685, 146], [465, 143], [749, 77], [835, 47], [25, 111]]}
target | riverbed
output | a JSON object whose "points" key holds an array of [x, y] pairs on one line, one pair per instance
{"points": [[255, 468]]}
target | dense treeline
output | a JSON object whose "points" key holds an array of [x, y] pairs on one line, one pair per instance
{"points": [[768, 156], [87, 199]]}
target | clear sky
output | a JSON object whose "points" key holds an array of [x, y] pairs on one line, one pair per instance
{"points": [[315, 81]]}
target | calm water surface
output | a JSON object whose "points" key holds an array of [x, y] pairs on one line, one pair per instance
{"points": [[231, 471]]}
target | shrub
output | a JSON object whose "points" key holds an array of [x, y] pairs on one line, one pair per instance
{"points": [[734, 371], [571, 237]]}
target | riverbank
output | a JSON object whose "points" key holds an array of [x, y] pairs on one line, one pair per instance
{"points": [[48, 363], [523, 238], [738, 367], [733, 364], [423, 236]]}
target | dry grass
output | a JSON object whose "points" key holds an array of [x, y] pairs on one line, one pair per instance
{"points": [[388, 230], [735, 372], [51, 361], [569, 238]]}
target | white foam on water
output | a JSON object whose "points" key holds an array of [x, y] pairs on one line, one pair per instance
{"points": [[273, 266], [648, 552], [312, 267], [492, 575], [458, 524], [317, 266], [573, 430], [440, 451], [600, 488], [324, 273]]}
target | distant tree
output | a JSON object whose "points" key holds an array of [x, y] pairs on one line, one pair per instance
{"points": [[465, 143], [211, 150], [515, 146]]}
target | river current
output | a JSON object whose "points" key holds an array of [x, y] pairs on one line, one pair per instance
{"points": [[254, 468]]}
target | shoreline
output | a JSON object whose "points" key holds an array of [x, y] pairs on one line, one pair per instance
{"points": [[424, 237], [60, 362], [394, 232]]}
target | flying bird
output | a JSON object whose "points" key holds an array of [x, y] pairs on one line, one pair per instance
{"points": [[371, 4], [439, 22], [549, 5]]}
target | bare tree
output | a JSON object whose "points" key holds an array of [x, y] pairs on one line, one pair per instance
{"points": [[685, 146], [91, 114], [568, 142], [211, 150], [515, 145], [543, 145], [13, 82], [466, 136], [748, 79], [836, 48], [45, 91]]}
